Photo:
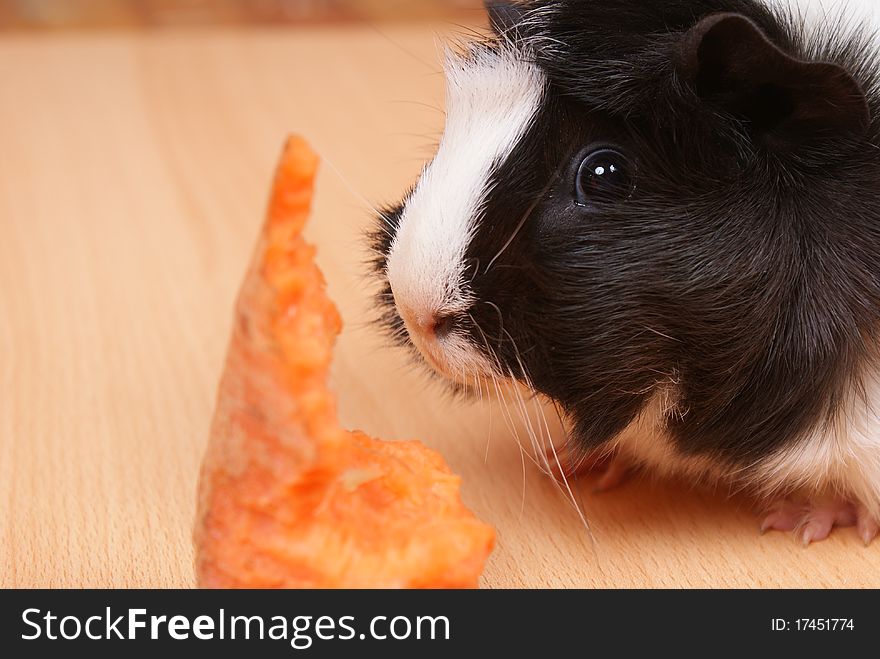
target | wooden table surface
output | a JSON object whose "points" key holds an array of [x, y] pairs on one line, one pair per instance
{"points": [[134, 170]]}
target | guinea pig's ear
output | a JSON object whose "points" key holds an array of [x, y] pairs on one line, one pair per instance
{"points": [[732, 64], [505, 16]]}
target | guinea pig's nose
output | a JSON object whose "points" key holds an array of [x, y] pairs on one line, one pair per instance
{"points": [[443, 325], [430, 325], [435, 326]]}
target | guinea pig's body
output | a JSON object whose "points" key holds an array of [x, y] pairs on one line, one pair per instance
{"points": [[663, 216]]}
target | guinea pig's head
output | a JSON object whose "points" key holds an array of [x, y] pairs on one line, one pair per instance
{"points": [[624, 197]]}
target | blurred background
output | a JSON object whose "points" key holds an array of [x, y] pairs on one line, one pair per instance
{"points": [[87, 14]]}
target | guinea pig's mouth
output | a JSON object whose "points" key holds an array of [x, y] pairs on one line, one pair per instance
{"points": [[435, 362], [455, 360], [470, 382], [451, 355], [443, 344]]}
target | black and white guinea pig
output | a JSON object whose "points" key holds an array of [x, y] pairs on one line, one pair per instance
{"points": [[663, 215]]}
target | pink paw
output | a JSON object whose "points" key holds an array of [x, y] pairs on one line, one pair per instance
{"points": [[612, 469], [813, 521]]}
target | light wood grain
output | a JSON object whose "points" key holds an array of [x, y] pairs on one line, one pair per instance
{"points": [[133, 174]]}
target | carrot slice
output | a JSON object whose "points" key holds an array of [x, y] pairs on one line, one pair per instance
{"points": [[289, 499]]}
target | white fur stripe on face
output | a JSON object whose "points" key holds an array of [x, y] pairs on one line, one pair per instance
{"points": [[492, 99]]}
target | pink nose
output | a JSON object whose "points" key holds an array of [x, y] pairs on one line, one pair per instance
{"points": [[428, 325]]}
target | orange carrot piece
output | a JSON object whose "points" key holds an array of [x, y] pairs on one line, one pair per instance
{"points": [[287, 498]]}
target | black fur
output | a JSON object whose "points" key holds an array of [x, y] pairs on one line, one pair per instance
{"points": [[744, 269]]}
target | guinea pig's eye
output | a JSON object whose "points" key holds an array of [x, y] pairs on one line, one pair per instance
{"points": [[604, 175]]}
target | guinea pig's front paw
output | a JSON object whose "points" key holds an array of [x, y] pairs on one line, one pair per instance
{"points": [[813, 520], [611, 467]]}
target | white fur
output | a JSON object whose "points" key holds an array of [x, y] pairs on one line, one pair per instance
{"points": [[647, 442], [492, 99], [840, 459]]}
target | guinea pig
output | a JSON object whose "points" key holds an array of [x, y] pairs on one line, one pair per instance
{"points": [[664, 216]]}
